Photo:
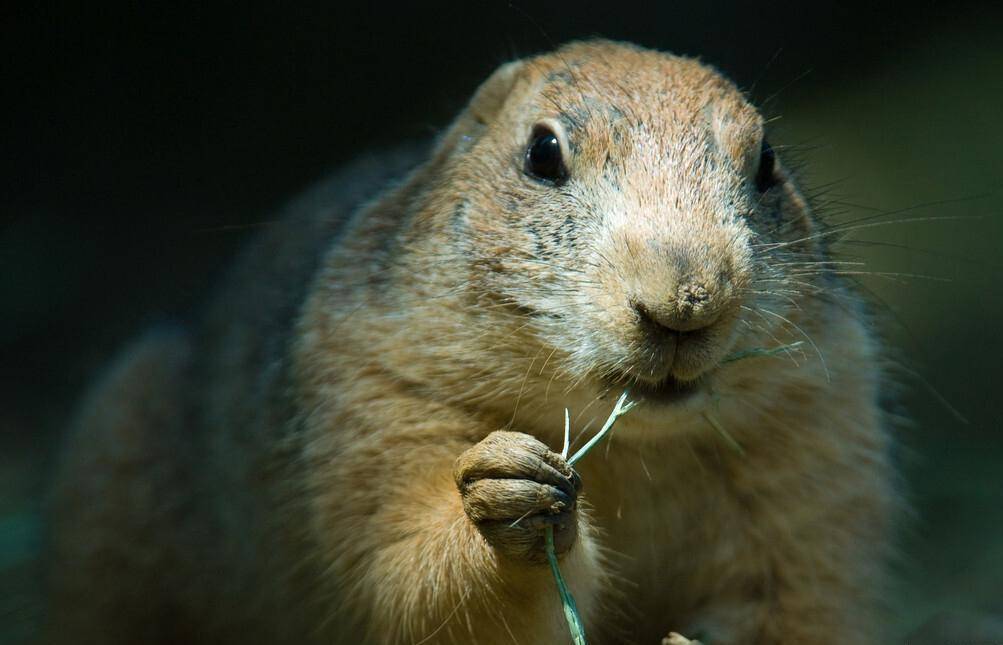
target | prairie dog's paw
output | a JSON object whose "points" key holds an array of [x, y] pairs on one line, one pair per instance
{"points": [[512, 487], [678, 639]]}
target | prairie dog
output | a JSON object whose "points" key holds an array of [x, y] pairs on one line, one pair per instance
{"points": [[355, 443]]}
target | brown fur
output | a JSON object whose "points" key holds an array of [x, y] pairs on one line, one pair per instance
{"points": [[340, 451]]}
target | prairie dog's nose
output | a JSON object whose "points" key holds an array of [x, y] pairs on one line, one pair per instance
{"points": [[692, 307]]}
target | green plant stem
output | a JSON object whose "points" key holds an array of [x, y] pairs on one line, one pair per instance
{"points": [[730, 440], [571, 614], [621, 408], [567, 600], [760, 351]]}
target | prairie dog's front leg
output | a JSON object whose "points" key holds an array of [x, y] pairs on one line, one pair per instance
{"points": [[513, 486], [453, 549]]}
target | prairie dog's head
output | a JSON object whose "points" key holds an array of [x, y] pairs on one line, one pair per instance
{"points": [[623, 207]]}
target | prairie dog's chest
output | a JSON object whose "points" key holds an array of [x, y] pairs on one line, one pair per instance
{"points": [[663, 521]]}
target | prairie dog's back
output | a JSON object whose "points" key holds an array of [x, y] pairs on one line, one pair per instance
{"points": [[169, 439]]}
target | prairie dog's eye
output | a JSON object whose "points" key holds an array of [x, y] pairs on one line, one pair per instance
{"points": [[544, 159], [766, 175]]}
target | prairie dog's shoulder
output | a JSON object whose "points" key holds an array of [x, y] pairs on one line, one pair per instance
{"points": [[242, 336]]}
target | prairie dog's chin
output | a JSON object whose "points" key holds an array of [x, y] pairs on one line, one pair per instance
{"points": [[669, 392], [667, 409]]}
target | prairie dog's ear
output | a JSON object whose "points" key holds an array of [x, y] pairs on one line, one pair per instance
{"points": [[490, 96], [482, 109]]}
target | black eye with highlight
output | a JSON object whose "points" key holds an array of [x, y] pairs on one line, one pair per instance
{"points": [[544, 159], [766, 175]]}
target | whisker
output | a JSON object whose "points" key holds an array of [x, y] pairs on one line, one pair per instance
{"points": [[825, 367]]}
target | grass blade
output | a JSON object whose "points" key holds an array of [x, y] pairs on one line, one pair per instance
{"points": [[760, 351], [567, 600], [571, 614]]}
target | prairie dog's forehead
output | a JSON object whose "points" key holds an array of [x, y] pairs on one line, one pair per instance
{"points": [[609, 92]]}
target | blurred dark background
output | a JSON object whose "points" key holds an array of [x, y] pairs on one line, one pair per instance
{"points": [[143, 145]]}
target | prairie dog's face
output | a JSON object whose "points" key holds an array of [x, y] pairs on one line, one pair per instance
{"points": [[626, 204]]}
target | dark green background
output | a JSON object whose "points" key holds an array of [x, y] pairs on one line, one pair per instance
{"points": [[142, 146]]}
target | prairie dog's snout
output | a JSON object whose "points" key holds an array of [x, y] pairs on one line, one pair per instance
{"points": [[683, 297], [682, 287]]}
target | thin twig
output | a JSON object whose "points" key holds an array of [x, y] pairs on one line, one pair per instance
{"points": [[761, 351], [730, 440], [571, 614], [567, 600], [621, 408]]}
